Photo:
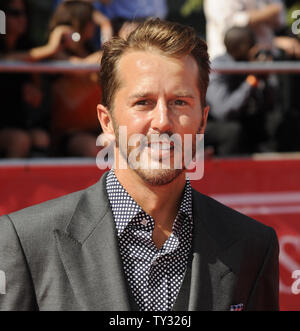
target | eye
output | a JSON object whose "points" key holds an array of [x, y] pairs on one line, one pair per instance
{"points": [[144, 103], [180, 102]]}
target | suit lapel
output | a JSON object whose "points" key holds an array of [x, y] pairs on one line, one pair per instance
{"points": [[90, 254], [210, 275]]}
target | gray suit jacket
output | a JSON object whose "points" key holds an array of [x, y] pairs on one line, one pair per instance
{"points": [[63, 255]]}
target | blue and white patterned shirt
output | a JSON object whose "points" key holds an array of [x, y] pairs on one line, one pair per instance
{"points": [[154, 275]]}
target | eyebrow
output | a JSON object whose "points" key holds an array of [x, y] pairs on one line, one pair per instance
{"points": [[179, 94], [184, 95], [141, 95]]}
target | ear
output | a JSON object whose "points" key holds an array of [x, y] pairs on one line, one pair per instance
{"points": [[204, 119], [105, 119]]}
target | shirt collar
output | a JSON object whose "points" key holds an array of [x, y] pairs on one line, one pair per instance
{"points": [[125, 208]]}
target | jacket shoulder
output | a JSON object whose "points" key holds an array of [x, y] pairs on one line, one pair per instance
{"points": [[224, 222], [52, 214]]}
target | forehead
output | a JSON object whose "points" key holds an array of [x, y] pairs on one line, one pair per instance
{"points": [[149, 67]]}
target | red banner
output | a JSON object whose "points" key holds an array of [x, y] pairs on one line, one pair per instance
{"points": [[267, 190]]}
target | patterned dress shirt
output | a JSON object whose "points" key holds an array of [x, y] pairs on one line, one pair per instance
{"points": [[154, 275]]}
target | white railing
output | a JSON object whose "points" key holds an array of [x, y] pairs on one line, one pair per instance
{"points": [[53, 67]]}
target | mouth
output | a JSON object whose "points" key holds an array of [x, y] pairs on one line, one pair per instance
{"points": [[161, 146], [160, 151]]}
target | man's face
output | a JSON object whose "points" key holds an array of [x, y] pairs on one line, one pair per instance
{"points": [[158, 95]]}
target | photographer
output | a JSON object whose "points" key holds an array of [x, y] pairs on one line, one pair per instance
{"points": [[240, 103], [265, 17], [70, 38]]}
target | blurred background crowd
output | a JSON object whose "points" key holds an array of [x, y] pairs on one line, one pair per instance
{"points": [[54, 115]]}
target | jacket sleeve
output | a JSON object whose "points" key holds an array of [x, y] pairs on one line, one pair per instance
{"points": [[16, 287], [265, 292]]}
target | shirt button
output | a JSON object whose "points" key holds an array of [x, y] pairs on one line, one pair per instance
{"points": [[144, 222], [155, 262]]}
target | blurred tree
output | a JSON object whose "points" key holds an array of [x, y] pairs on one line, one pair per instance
{"points": [[188, 12], [191, 6], [290, 3]]}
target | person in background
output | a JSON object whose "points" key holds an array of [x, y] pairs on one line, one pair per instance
{"points": [[74, 96], [122, 12], [70, 38], [133, 9], [23, 125], [106, 29], [77, 16], [263, 16], [241, 104]]}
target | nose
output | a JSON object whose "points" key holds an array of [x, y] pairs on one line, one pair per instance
{"points": [[161, 121]]}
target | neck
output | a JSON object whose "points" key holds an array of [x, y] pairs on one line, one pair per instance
{"points": [[160, 202]]}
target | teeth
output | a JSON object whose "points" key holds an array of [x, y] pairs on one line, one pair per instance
{"points": [[164, 146]]}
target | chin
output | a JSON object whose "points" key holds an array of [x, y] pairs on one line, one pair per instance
{"points": [[158, 177]]}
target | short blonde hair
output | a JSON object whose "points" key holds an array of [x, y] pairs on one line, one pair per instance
{"points": [[171, 39]]}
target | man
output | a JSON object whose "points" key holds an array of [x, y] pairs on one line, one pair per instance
{"points": [[142, 238], [241, 105]]}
